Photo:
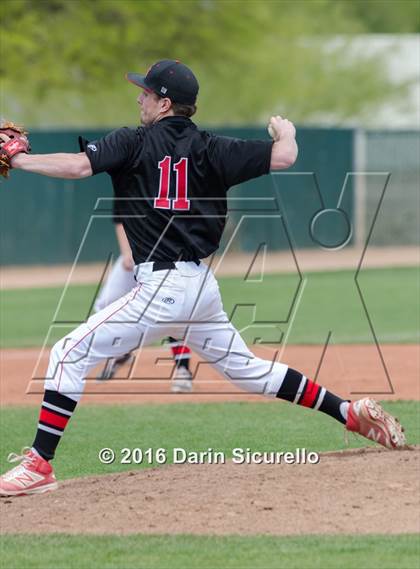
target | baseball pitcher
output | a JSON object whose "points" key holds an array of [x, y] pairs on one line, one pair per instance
{"points": [[171, 181]]}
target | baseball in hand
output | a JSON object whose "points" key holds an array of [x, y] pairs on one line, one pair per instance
{"points": [[279, 127], [274, 127], [271, 131]]}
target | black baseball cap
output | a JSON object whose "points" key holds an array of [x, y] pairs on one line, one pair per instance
{"points": [[169, 78]]}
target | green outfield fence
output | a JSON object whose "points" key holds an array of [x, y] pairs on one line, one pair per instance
{"points": [[43, 220]]}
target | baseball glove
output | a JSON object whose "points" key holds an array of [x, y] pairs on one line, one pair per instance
{"points": [[15, 143]]}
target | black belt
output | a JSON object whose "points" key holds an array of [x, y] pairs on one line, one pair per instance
{"points": [[163, 265], [167, 265]]}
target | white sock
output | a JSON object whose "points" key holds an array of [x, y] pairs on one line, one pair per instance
{"points": [[344, 409]]}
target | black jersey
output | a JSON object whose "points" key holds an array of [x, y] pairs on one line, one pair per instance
{"points": [[170, 181]]}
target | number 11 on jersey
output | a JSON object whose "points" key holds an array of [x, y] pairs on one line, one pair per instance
{"points": [[181, 186]]}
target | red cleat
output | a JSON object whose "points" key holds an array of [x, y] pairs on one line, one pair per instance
{"points": [[367, 418], [34, 475]]}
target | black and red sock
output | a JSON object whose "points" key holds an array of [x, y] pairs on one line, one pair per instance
{"points": [[55, 413], [180, 353], [298, 389]]}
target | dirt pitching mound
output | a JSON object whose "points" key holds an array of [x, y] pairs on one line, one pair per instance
{"points": [[352, 492]]}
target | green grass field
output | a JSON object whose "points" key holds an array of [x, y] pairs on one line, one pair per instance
{"points": [[223, 426], [326, 301], [210, 552]]}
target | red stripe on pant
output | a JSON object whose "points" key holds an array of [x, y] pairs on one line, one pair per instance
{"points": [[91, 331], [53, 419], [310, 394]]}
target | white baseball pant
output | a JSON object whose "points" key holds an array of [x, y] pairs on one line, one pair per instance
{"points": [[118, 283], [183, 303]]}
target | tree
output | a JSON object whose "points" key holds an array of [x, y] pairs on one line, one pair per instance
{"points": [[66, 59], [384, 16]]}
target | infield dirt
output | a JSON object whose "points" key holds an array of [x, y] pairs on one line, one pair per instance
{"points": [[351, 492], [230, 265], [349, 370]]}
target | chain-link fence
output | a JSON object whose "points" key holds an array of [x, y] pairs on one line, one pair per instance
{"points": [[367, 181], [388, 158]]}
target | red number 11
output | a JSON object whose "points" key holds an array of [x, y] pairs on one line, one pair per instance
{"points": [[181, 187]]}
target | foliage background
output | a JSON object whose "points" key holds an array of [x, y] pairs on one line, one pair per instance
{"points": [[63, 61]]}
